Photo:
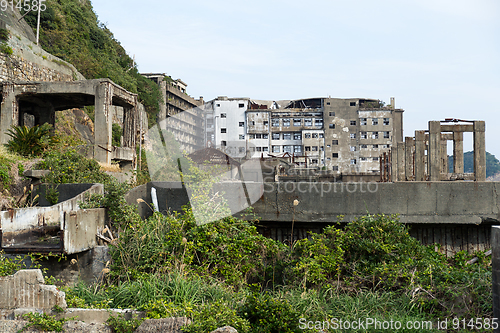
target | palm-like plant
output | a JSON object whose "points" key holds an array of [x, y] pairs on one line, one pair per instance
{"points": [[30, 141]]}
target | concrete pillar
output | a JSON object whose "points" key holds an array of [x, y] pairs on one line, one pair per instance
{"points": [[434, 152], [419, 155], [479, 151], [129, 126], [444, 156], [401, 161], [495, 276], [409, 144], [394, 163], [9, 112], [458, 152], [102, 133]]}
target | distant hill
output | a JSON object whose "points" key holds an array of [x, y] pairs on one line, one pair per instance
{"points": [[71, 31], [492, 164]]}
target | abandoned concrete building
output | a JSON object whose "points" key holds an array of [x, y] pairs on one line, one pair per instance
{"points": [[339, 135], [179, 113]]}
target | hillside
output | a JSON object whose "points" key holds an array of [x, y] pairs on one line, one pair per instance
{"points": [[71, 31], [492, 164]]}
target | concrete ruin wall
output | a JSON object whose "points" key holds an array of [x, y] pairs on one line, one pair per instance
{"points": [[27, 289]]}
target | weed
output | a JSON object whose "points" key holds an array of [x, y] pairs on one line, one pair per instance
{"points": [[122, 325], [51, 194], [43, 322]]}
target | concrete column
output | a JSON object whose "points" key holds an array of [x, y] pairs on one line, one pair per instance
{"points": [[495, 276], [434, 152], [458, 152], [479, 151], [394, 163], [409, 144], [419, 155], [129, 126], [444, 156], [102, 132], [9, 112], [401, 161]]}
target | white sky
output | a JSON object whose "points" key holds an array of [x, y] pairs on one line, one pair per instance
{"points": [[438, 58]]}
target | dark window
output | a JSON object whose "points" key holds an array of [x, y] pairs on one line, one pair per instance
{"points": [[335, 142], [223, 130], [223, 143], [241, 105], [242, 124], [331, 125], [353, 122], [331, 114], [352, 104], [335, 155], [335, 168], [223, 115]]}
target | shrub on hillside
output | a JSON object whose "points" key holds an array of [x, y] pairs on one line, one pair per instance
{"points": [[30, 141]]}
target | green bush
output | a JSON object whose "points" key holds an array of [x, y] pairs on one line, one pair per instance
{"points": [[211, 316], [43, 322], [268, 314], [122, 325], [30, 141], [229, 249], [71, 167]]}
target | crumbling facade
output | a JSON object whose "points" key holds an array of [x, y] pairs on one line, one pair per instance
{"points": [[179, 113], [340, 135]]}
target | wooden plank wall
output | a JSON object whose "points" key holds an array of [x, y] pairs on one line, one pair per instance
{"points": [[452, 238]]}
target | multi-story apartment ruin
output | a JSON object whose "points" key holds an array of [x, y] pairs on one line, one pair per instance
{"points": [[341, 135], [358, 131], [180, 113]]}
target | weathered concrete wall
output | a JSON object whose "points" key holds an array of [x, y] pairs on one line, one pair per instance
{"points": [[415, 202], [27, 289], [59, 228], [66, 192]]}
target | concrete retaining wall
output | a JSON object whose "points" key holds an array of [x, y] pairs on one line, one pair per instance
{"points": [[415, 202]]}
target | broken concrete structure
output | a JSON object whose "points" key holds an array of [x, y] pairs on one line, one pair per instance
{"points": [[425, 156], [27, 289], [62, 228], [42, 99]]}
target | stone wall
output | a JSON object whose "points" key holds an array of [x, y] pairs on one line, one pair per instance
{"points": [[29, 62]]}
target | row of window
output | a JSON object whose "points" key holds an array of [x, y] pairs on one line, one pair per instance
{"points": [[287, 149], [297, 122], [364, 159], [259, 149]]}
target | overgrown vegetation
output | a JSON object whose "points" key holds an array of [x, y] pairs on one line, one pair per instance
{"points": [[71, 31], [43, 321], [32, 141]]}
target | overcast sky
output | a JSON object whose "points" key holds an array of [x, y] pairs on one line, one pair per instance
{"points": [[438, 58]]}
